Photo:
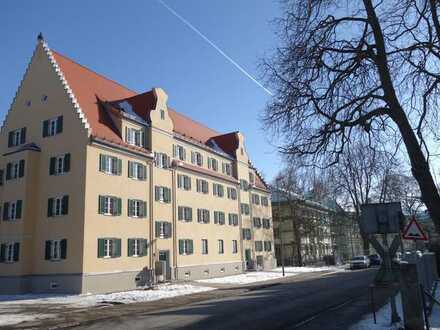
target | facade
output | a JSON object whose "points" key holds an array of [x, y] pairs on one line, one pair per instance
{"points": [[100, 185]]}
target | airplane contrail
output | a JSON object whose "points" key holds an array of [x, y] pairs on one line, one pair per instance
{"points": [[192, 27]]}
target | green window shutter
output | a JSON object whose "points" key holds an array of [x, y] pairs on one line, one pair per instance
{"points": [[52, 165], [130, 244], [157, 225], [190, 214], [130, 207], [181, 246], [190, 246], [65, 205], [6, 211], [16, 251], [10, 139], [23, 135], [101, 204], [21, 168], [118, 202], [167, 195], [101, 244], [180, 213], [45, 128], [117, 247], [50, 207], [47, 248], [18, 208], [119, 166], [130, 169], [63, 246], [143, 172], [167, 229], [102, 163], [8, 171], [156, 193], [1, 177], [2, 252], [66, 163], [115, 169], [144, 209], [144, 247], [59, 124]]}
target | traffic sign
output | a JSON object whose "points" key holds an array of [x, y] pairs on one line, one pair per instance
{"points": [[414, 231]]}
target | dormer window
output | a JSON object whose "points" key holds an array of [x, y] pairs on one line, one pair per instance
{"points": [[227, 168], [135, 137], [251, 178], [179, 152], [213, 164], [162, 114], [196, 158]]}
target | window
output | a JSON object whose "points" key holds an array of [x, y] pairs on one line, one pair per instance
{"points": [[221, 248], [163, 229], [246, 234], [134, 136], [55, 250], [15, 170], [179, 152], [110, 165], [17, 137], [244, 208], [219, 217], [57, 206], [9, 252], [183, 182], [184, 213], [213, 164], [137, 171], [109, 247], [162, 114], [137, 208], [234, 246], [202, 186], [161, 160], [232, 193], [255, 199], [264, 201], [266, 223], [12, 210], [233, 219], [202, 216], [258, 246], [185, 246], [137, 247], [244, 185], [1, 177], [204, 246], [251, 178], [227, 168], [162, 194], [268, 246], [52, 126], [59, 164], [218, 190], [110, 205], [196, 158], [257, 222]]}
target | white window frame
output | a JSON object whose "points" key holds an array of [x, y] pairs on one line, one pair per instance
{"points": [[136, 247], [9, 255], [185, 247], [55, 250], [52, 127], [59, 165], [15, 170], [109, 205], [221, 246], [57, 206], [135, 137], [234, 246], [162, 229], [16, 137], [204, 246], [12, 210], [108, 248], [136, 208]]}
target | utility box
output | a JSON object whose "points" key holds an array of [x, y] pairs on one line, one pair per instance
{"points": [[381, 218]]}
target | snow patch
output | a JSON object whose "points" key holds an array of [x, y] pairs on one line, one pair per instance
{"points": [[246, 278], [10, 319], [310, 269]]}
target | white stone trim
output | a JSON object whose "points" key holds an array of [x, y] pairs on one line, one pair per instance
{"points": [[67, 88]]}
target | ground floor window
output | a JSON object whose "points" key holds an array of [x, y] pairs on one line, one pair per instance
{"points": [[9, 252]]}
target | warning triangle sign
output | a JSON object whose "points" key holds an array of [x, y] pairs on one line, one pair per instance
{"points": [[414, 231]]}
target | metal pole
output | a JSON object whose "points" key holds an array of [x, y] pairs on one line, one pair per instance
{"points": [[372, 303], [425, 314], [281, 236], [394, 315]]}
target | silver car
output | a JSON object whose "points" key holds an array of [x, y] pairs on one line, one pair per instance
{"points": [[359, 262]]}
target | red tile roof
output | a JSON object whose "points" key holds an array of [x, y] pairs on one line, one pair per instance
{"points": [[92, 89]]}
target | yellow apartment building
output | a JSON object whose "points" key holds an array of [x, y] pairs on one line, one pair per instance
{"points": [[100, 184]]}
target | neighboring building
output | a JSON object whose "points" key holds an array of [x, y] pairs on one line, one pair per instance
{"points": [[302, 229], [99, 183]]}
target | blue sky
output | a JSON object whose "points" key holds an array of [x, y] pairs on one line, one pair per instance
{"points": [[142, 45]]}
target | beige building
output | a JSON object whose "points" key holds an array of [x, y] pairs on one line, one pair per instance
{"points": [[100, 183]]}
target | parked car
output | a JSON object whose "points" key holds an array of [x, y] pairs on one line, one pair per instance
{"points": [[375, 260], [359, 262]]}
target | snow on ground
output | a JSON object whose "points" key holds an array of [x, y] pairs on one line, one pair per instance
{"points": [[13, 307], [246, 278], [290, 269], [384, 314]]}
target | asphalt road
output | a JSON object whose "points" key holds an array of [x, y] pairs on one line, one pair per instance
{"points": [[331, 301]]}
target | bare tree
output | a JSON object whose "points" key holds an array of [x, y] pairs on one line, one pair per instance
{"points": [[364, 70]]}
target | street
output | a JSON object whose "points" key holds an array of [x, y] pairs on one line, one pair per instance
{"points": [[338, 298]]}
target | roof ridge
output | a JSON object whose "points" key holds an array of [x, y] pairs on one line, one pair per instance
{"points": [[97, 73], [195, 121]]}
